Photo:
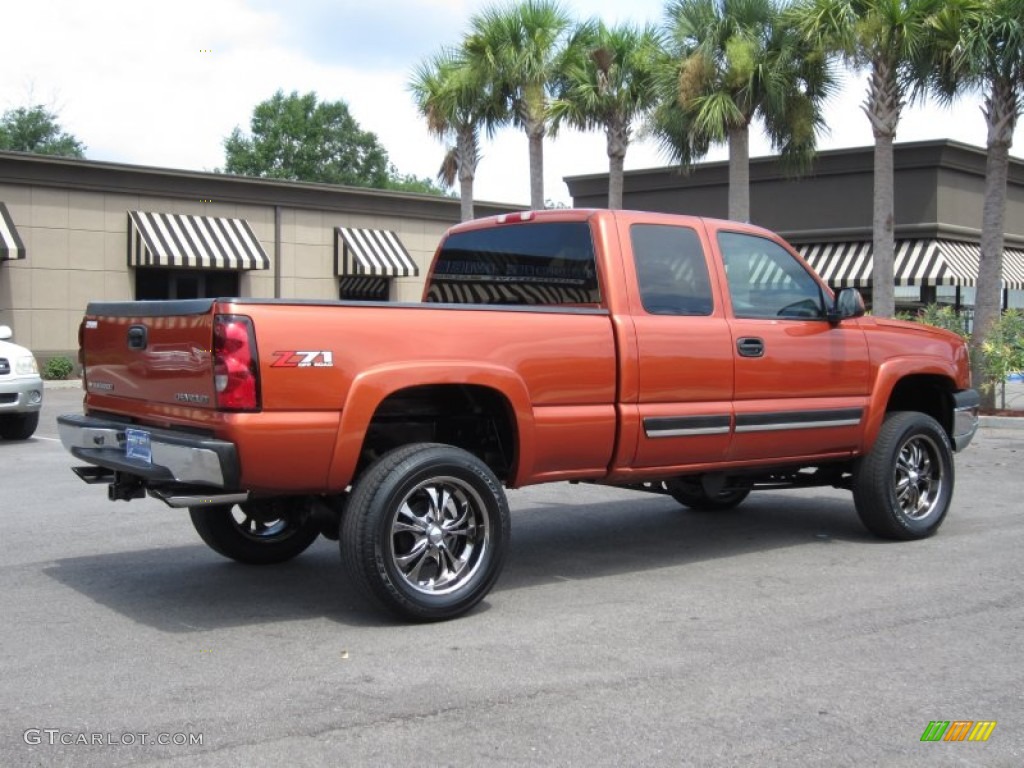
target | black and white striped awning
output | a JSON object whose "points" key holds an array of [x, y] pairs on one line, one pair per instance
{"points": [[917, 262], [480, 292], [11, 246], [376, 252], [200, 242]]}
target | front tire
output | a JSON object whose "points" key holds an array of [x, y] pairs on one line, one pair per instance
{"points": [[425, 531], [19, 426], [256, 533], [903, 487]]}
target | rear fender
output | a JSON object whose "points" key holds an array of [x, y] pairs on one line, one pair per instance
{"points": [[372, 387]]}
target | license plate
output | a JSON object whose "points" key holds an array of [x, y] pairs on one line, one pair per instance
{"points": [[137, 445]]}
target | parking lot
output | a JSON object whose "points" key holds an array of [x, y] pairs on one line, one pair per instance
{"points": [[624, 631]]}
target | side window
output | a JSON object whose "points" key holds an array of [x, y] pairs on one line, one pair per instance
{"points": [[765, 281], [671, 270]]}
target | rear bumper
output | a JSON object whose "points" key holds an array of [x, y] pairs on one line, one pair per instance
{"points": [[21, 394], [965, 417], [177, 457]]}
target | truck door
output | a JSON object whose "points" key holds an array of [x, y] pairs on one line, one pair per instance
{"points": [[685, 377], [801, 382]]}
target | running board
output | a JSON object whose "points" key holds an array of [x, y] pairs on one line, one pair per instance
{"points": [[172, 499]]}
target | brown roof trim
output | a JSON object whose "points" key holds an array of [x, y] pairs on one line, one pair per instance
{"points": [[100, 176]]}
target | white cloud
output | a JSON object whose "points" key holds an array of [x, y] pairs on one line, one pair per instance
{"points": [[134, 83]]}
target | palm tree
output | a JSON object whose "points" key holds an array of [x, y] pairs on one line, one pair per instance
{"points": [[457, 103], [517, 48], [607, 82], [979, 44], [890, 39], [727, 63]]}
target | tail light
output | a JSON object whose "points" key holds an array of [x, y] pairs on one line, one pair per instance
{"points": [[235, 363]]}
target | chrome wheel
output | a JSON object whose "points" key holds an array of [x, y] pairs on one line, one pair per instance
{"points": [[903, 486], [259, 528], [439, 535], [918, 477], [425, 531]]}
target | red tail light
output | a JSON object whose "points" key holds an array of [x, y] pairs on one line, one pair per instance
{"points": [[235, 364]]}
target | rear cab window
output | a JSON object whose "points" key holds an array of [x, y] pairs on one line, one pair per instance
{"points": [[532, 263], [766, 281], [671, 270]]}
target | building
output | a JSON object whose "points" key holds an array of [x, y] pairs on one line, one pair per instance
{"points": [[74, 231], [826, 214]]}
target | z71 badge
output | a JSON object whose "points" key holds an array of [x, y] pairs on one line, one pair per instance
{"points": [[320, 358]]}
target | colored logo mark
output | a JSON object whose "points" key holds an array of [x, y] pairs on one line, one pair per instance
{"points": [[958, 730]]}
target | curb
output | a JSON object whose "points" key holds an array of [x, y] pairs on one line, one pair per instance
{"points": [[1001, 422]]}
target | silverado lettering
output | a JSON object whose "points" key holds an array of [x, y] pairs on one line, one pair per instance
{"points": [[691, 357]]}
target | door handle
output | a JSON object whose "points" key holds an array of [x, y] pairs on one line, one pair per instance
{"points": [[750, 346]]}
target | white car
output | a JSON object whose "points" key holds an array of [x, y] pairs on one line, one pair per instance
{"points": [[21, 390]]}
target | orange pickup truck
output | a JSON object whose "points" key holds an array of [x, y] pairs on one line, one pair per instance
{"points": [[697, 358]]}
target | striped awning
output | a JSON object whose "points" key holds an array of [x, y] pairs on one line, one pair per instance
{"points": [[11, 246], [917, 262], [376, 252], [479, 292], [200, 242]]}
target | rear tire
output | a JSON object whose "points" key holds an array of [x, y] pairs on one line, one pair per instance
{"points": [[425, 531], [903, 487], [259, 536], [690, 493], [19, 426]]}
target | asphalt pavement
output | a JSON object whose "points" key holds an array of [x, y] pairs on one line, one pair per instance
{"points": [[624, 631]]}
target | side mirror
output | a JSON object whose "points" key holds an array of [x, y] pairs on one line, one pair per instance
{"points": [[848, 303], [5, 332]]}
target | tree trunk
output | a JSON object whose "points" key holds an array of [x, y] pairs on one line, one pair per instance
{"points": [[883, 297], [1001, 115], [466, 196], [883, 106], [618, 141], [535, 132], [739, 174], [467, 172]]}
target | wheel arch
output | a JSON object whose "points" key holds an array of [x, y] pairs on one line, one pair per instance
{"points": [[910, 386], [441, 403]]}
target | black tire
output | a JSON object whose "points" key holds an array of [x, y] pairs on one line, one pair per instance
{"points": [[441, 558], [259, 536], [18, 426], [691, 493], [903, 487]]}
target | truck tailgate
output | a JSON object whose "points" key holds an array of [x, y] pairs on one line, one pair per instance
{"points": [[159, 353]]}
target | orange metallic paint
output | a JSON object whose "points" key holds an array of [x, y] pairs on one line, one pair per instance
{"points": [[578, 384]]}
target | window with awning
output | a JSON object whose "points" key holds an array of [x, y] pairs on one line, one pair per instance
{"points": [[365, 260], [197, 242], [929, 262], [371, 252], [11, 246]]}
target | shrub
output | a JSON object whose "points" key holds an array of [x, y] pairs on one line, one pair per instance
{"points": [[58, 368], [941, 316], [1004, 348]]}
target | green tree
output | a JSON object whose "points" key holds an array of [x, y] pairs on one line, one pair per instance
{"points": [[457, 102], [517, 48], [979, 45], [298, 138], [728, 63], [35, 129], [607, 82], [889, 38]]}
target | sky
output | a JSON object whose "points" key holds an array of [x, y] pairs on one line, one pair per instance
{"points": [[162, 84]]}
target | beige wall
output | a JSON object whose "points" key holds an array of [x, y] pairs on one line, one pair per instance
{"points": [[76, 244]]}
